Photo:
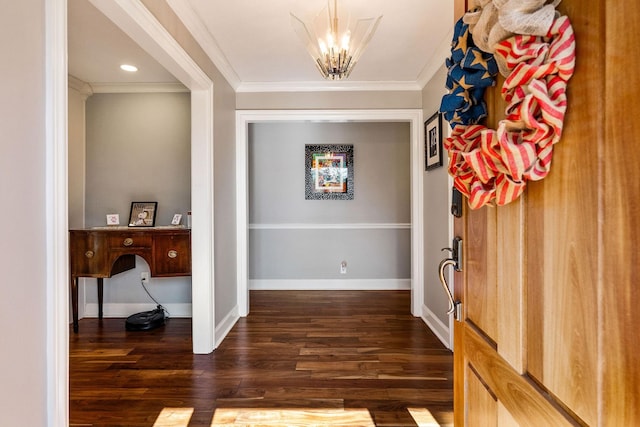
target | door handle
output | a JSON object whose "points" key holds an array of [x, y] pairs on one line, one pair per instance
{"points": [[443, 281], [455, 307]]}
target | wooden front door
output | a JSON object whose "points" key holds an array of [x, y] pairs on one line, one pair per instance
{"points": [[549, 334]]}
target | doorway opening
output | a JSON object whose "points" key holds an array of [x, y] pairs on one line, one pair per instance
{"points": [[412, 117], [143, 28]]}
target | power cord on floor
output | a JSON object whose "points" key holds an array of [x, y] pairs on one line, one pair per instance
{"points": [[160, 306]]}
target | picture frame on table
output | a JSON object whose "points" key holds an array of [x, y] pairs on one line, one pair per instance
{"points": [[113, 219], [433, 142], [143, 214], [177, 219]]}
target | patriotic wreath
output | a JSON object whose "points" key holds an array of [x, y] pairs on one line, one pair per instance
{"points": [[534, 47]]}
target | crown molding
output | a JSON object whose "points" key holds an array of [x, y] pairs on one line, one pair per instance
{"points": [[327, 86], [80, 86], [437, 60], [201, 34], [138, 87]]}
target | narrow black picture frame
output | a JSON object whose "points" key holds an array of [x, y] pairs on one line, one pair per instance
{"points": [[433, 142]]}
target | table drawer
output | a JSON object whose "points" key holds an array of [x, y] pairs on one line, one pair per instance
{"points": [[129, 241], [88, 254], [172, 255]]}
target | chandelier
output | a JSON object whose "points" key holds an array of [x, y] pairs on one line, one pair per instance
{"points": [[334, 40]]}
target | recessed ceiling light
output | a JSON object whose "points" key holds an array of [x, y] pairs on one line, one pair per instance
{"points": [[130, 68]]}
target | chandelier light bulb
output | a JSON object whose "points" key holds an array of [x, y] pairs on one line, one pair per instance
{"points": [[345, 40], [323, 47], [330, 41]]}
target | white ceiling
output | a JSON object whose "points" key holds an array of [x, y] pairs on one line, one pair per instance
{"points": [[97, 48], [253, 43]]}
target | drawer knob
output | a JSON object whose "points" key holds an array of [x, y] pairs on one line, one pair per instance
{"points": [[172, 253], [128, 241], [89, 254]]}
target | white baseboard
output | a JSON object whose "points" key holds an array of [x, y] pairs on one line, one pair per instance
{"points": [[331, 284], [175, 310], [225, 325], [437, 327], [126, 309]]}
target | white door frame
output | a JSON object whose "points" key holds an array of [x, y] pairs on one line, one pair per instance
{"points": [[56, 206], [413, 117], [138, 23], [133, 18]]}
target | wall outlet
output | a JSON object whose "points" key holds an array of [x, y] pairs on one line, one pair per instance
{"points": [[144, 277], [343, 267]]}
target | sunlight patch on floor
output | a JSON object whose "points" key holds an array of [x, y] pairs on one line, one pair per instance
{"points": [[180, 417], [292, 417], [174, 417], [423, 417]]}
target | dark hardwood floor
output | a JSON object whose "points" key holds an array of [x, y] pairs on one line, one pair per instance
{"points": [[310, 358]]}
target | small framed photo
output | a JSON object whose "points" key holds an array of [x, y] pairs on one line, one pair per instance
{"points": [[328, 172], [177, 218], [113, 219], [143, 214], [433, 142]]}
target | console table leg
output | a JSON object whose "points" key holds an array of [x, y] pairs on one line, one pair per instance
{"points": [[74, 302], [100, 296]]}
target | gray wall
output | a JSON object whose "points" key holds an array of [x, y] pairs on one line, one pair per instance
{"points": [[339, 100], [23, 291], [138, 148], [77, 156], [76, 153], [436, 208], [224, 146], [316, 254], [280, 248]]}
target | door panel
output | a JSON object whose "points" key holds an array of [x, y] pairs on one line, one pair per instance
{"points": [[510, 280], [482, 408], [562, 283], [620, 287], [520, 396], [504, 417], [549, 286], [480, 267]]}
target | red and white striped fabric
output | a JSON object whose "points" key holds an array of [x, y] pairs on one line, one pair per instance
{"points": [[492, 166]]}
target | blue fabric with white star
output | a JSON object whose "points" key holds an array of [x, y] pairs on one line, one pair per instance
{"points": [[470, 72]]}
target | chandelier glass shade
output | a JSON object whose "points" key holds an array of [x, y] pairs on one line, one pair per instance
{"points": [[334, 40]]}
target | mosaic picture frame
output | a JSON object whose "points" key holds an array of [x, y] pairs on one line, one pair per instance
{"points": [[329, 172]]}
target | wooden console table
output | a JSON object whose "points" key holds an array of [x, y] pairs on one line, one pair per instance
{"points": [[104, 251]]}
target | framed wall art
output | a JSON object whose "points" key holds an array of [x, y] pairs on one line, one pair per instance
{"points": [[433, 142], [143, 214], [328, 172]]}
